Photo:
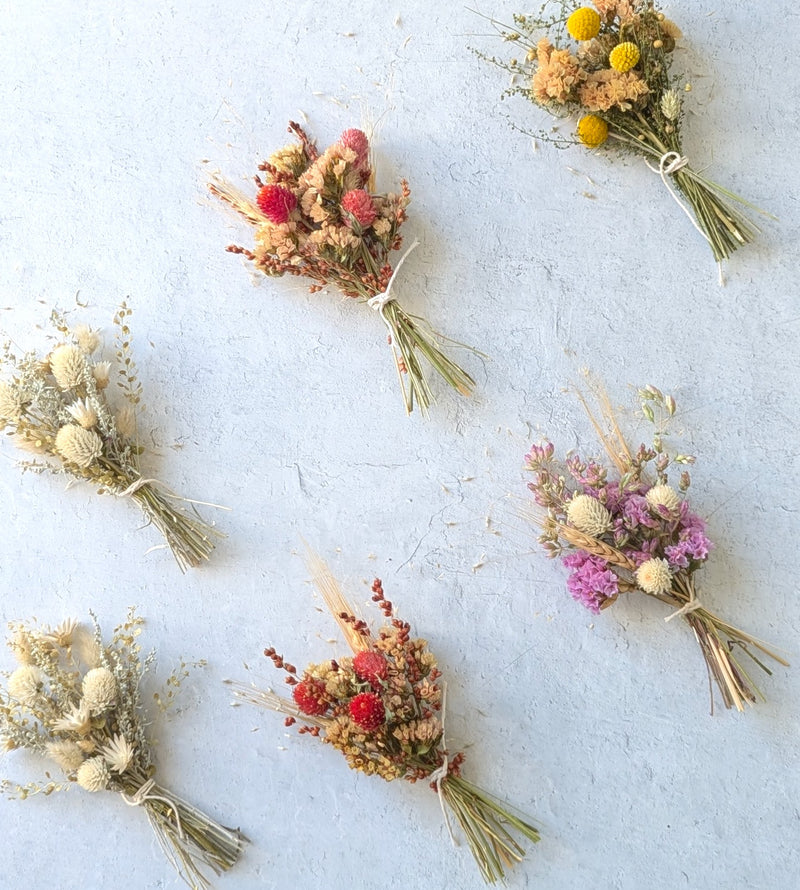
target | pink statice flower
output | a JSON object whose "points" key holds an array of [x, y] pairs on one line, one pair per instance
{"points": [[591, 581]]}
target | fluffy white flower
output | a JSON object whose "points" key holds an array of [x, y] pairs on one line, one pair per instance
{"points": [[118, 753], [87, 339], [663, 496], [93, 774], [99, 690], [68, 365], [67, 754], [101, 371], [63, 634], [78, 446], [25, 684], [83, 413], [671, 104], [126, 421], [654, 576], [588, 515]]}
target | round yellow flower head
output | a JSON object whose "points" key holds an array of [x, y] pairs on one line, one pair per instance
{"points": [[592, 130], [584, 23], [624, 56]]}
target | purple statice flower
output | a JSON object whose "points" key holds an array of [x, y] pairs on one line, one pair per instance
{"points": [[692, 543], [591, 581], [647, 550], [636, 511]]}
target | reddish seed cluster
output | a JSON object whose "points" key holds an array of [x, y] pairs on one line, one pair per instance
{"points": [[378, 597], [309, 696], [371, 666], [367, 711], [276, 203]]}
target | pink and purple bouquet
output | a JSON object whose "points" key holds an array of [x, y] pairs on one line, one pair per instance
{"points": [[638, 533]]}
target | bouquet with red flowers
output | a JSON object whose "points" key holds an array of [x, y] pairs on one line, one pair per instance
{"points": [[317, 216], [638, 533], [383, 708]]}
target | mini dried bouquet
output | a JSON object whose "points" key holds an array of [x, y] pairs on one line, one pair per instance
{"points": [[317, 216], [76, 700], [609, 64], [58, 408], [637, 533], [383, 708]]}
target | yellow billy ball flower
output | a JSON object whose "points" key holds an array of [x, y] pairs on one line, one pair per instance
{"points": [[584, 23], [592, 130], [624, 56]]}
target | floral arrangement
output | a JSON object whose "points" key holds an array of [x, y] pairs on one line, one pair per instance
{"points": [[58, 408], [609, 64], [75, 700], [383, 708], [638, 533], [317, 216]]}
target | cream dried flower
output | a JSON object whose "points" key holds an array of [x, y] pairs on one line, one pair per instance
{"points": [[20, 645], [99, 690], [67, 754], [25, 684], [78, 446], [290, 159], [63, 634], [68, 365], [93, 774], [30, 443], [78, 720], [101, 371], [671, 104], [86, 647], [663, 496], [10, 403], [588, 515], [126, 421], [654, 576], [87, 339], [118, 753], [83, 413]]}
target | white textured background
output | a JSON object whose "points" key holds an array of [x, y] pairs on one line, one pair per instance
{"points": [[283, 406]]}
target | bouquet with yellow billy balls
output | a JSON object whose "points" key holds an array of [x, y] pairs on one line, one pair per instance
{"points": [[609, 64]]}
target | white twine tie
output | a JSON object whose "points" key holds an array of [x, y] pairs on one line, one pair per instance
{"points": [[440, 774], [143, 795], [691, 605], [131, 490], [380, 300]]}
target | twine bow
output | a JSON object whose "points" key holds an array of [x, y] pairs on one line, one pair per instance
{"points": [[143, 794], [691, 605], [440, 774]]}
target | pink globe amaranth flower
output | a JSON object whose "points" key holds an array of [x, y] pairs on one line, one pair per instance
{"points": [[358, 204], [276, 203], [357, 141]]}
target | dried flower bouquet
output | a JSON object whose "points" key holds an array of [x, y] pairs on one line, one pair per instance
{"points": [[317, 216], [58, 407], [610, 64], [637, 533], [383, 708], [76, 700]]}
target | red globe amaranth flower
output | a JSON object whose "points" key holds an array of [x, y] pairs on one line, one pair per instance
{"points": [[276, 203], [367, 711], [370, 666], [359, 204], [358, 142], [309, 696]]}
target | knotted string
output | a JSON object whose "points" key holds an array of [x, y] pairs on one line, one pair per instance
{"points": [[143, 794], [441, 773], [380, 300], [691, 605], [131, 490]]}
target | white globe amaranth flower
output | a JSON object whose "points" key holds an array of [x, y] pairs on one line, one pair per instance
{"points": [[101, 371], [25, 684], [83, 413], [87, 339], [10, 403], [588, 515], [99, 690], [118, 753], [68, 366], [78, 446], [93, 774], [67, 754], [654, 576], [663, 496]]}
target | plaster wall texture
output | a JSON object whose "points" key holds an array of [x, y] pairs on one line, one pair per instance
{"points": [[283, 405]]}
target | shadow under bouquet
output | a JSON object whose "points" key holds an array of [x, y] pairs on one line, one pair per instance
{"points": [[636, 533], [383, 708], [317, 216], [76, 701], [609, 64]]}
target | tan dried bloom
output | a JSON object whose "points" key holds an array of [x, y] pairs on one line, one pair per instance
{"points": [[101, 371], [25, 684], [558, 74], [68, 365], [10, 403], [20, 645], [99, 690], [88, 340], [663, 496], [93, 774], [78, 446], [290, 159], [623, 9], [83, 413], [63, 634], [125, 421], [654, 576], [118, 753], [588, 515], [607, 89], [29, 442], [671, 104], [86, 647], [67, 754], [670, 29], [78, 720]]}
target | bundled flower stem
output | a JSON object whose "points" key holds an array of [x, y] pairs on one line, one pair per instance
{"points": [[383, 708], [637, 533], [610, 64], [75, 700], [58, 407], [317, 216]]}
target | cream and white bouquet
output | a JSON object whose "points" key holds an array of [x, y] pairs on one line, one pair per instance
{"points": [[59, 408], [76, 700]]}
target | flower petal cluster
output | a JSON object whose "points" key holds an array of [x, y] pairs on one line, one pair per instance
{"points": [[93, 774], [591, 581], [68, 365], [99, 690], [558, 75], [78, 446]]}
